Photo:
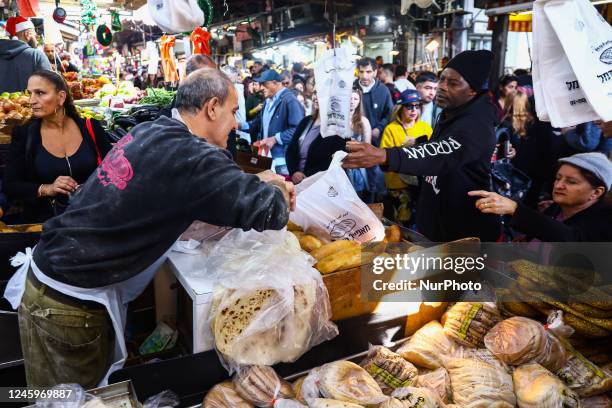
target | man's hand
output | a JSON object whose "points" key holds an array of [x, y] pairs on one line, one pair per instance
{"points": [[493, 203], [278, 181], [363, 155], [297, 177], [265, 144]]}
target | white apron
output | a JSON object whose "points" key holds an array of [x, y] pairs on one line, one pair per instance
{"points": [[114, 297]]}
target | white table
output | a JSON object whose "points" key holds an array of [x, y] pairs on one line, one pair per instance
{"points": [[199, 289]]}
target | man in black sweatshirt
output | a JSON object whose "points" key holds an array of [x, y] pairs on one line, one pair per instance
{"points": [[456, 158], [151, 186]]}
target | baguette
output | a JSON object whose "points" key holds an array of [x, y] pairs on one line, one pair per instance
{"points": [[310, 243], [333, 248]]}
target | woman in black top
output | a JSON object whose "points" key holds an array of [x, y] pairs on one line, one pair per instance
{"points": [[53, 153], [579, 212], [309, 152]]}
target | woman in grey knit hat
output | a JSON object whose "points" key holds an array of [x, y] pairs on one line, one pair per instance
{"points": [[580, 212]]}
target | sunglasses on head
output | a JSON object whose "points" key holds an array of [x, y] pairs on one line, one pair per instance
{"points": [[413, 106]]}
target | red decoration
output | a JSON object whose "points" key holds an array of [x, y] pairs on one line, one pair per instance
{"points": [[27, 8], [200, 38]]}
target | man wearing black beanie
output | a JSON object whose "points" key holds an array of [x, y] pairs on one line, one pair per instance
{"points": [[455, 160]]}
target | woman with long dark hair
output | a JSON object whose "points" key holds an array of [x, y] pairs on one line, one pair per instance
{"points": [[507, 87], [52, 154]]}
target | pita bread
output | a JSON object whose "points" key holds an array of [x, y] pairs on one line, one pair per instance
{"points": [[427, 347], [284, 342], [346, 381], [535, 386]]}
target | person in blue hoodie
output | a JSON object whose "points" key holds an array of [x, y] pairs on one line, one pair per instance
{"points": [[274, 126], [19, 57]]}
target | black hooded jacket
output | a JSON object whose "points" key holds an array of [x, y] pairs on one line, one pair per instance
{"points": [[457, 159], [151, 186], [17, 62]]}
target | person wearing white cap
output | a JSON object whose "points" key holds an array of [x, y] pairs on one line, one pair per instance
{"points": [[19, 57], [579, 213]]}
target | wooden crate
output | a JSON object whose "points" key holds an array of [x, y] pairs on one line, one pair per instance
{"points": [[344, 289]]}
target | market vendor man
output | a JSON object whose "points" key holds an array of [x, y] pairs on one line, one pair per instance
{"points": [[73, 289], [456, 159]]}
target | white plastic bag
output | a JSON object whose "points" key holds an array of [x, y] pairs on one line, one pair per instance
{"points": [[334, 75], [328, 204], [270, 305], [572, 65], [176, 16]]}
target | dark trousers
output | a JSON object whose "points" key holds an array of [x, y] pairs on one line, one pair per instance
{"points": [[63, 341]]}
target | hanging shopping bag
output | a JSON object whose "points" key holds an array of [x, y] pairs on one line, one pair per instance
{"points": [[334, 74], [328, 206], [572, 62]]}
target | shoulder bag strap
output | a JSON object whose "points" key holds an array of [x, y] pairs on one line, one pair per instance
{"points": [[93, 137]]}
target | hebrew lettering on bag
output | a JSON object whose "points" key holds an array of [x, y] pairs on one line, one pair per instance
{"points": [[571, 85], [578, 101], [605, 77]]}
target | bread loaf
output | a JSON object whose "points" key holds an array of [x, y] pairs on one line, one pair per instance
{"points": [[390, 370], [224, 395], [260, 385]]}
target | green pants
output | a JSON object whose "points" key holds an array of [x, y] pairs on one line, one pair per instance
{"points": [[63, 343]]}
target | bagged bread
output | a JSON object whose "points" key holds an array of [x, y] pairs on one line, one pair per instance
{"points": [[519, 340], [536, 387], [288, 403], [413, 397], [224, 395], [483, 355], [478, 384], [437, 381], [582, 376], [389, 369], [346, 381], [260, 316], [307, 388], [331, 403], [261, 386], [468, 322], [427, 346]]}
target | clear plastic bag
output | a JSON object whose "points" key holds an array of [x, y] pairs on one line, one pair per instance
{"points": [[389, 369], [346, 381], [478, 384], [519, 340], [413, 397], [537, 387], [468, 322], [427, 346], [270, 305], [224, 395], [328, 204], [309, 388], [582, 376], [288, 403], [165, 399], [483, 355], [261, 386], [437, 381], [77, 398]]}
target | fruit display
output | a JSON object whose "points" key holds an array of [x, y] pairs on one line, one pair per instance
{"points": [[126, 91], [84, 88], [15, 108], [89, 113]]}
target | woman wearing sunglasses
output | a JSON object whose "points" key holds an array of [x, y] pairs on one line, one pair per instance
{"points": [[405, 129]]}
